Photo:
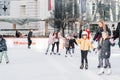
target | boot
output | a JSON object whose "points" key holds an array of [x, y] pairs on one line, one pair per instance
{"points": [[101, 71], [86, 66], [82, 66]]}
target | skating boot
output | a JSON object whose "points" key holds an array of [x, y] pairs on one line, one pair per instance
{"points": [[109, 71], [98, 66], [101, 71], [82, 66], [86, 66]]}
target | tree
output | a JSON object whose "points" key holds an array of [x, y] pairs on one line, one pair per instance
{"points": [[65, 14]]}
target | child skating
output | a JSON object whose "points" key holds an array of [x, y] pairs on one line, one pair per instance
{"points": [[3, 50], [105, 46], [66, 41], [85, 45]]}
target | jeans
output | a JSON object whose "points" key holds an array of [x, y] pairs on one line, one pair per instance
{"points": [[4, 53], [48, 48]]}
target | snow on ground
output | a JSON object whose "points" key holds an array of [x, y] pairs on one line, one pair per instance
{"points": [[32, 64]]}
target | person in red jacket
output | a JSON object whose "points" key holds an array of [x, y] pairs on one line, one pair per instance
{"points": [[88, 31]]}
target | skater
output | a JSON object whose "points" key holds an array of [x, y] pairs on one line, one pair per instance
{"points": [[50, 41], [56, 42], [98, 35], [29, 38], [117, 34], [105, 46], [72, 43], [88, 31], [3, 49], [66, 40], [85, 45]]}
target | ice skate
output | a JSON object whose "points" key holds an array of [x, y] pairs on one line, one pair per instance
{"points": [[7, 62], [82, 66], [109, 71], [98, 66], [101, 71], [46, 53]]}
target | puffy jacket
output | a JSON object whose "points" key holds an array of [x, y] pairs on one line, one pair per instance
{"points": [[51, 38], [105, 47], [3, 46], [85, 44]]}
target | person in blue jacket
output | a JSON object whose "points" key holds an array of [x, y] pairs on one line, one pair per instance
{"points": [[3, 49]]}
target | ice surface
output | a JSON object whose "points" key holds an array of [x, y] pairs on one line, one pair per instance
{"points": [[32, 64]]}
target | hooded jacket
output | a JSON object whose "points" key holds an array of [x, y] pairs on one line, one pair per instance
{"points": [[85, 44]]}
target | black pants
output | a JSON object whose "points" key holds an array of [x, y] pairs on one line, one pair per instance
{"points": [[84, 57], [67, 50], [29, 42], [53, 45]]}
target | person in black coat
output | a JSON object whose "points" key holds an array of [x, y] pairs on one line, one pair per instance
{"points": [[117, 34], [3, 49], [72, 43], [29, 38]]}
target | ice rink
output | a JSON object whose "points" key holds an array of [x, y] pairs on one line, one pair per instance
{"points": [[33, 64]]}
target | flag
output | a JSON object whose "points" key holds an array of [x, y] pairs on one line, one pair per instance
{"points": [[49, 5]]}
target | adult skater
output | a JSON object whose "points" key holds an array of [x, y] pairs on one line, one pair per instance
{"points": [[29, 38], [3, 49], [85, 45], [117, 34], [102, 27], [105, 52], [50, 41]]}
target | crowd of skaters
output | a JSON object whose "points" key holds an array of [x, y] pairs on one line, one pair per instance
{"points": [[102, 36]]}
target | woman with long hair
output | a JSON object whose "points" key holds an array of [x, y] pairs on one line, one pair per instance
{"points": [[102, 27]]}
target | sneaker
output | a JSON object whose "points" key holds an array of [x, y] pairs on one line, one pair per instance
{"points": [[101, 71], [109, 71], [86, 66], [82, 66]]}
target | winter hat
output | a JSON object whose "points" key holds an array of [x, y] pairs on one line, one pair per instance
{"points": [[84, 33]]}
